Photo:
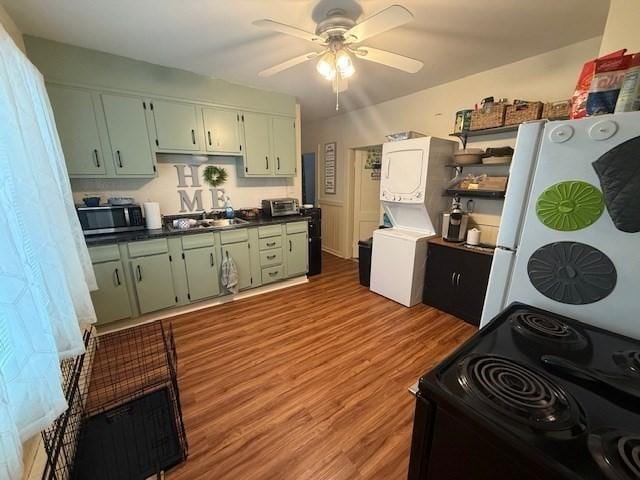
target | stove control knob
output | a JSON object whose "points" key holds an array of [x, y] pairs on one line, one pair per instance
{"points": [[603, 130]]}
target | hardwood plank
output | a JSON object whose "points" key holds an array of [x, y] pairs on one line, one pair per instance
{"points": [[306, 383]]}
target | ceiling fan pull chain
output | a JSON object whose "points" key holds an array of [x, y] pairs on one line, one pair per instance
{"points": [[337, 93]]}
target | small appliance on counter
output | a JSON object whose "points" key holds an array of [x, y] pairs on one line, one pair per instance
{"points": [[110, 218], [454, 223], [280, 207], [315, 239], [533, 395]]}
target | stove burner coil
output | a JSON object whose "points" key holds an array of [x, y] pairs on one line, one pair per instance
{"points": [[544, 329], [520, 393], [628, 360], [617, 453]]}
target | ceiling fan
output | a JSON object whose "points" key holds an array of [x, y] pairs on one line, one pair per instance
{"points": [[340, 36]]}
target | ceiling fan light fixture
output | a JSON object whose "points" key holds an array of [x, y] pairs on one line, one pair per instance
{"points": [[344, 64], [326, 66]]}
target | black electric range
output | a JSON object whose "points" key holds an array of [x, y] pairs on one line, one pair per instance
{"points": [[531, 396]]}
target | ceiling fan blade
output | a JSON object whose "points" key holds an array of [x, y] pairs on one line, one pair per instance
{"points": [[292, 62], [389, 59], [288, 30], [389, 18]]}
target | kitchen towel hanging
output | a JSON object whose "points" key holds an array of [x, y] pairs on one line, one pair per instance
{"points": [[229, 275], [619, 173]]}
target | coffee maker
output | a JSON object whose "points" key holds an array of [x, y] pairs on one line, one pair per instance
{"points": [[454, 223]]}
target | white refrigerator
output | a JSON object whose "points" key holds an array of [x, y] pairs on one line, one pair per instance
{"points": [[568, 239]]}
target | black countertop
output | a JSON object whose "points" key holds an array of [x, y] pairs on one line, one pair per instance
{"points": [[109, 238]]}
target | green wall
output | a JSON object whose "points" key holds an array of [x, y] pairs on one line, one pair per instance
{"points": [[64, 63]]}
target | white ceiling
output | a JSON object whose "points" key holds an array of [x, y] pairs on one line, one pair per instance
{"points": [[454, 38]]}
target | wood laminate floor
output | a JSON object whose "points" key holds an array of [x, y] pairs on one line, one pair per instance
{"points": [[306, 383]]}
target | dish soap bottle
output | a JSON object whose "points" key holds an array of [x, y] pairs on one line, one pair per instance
{"points": [[228, 208]]}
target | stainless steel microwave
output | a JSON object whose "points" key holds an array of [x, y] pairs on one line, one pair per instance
{"points": [[278, 207], [110, 218]]}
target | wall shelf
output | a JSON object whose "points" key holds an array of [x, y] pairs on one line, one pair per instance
{"points": [[496, 195]]}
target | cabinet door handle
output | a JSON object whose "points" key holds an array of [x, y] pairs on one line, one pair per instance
{"points": [[209, 135], [117, 278], [95, 155], [453, 276], [278, 159], [458, 280], [139, 273], [266, 159], [211, 258], [193, 136], [270, 257], [290, 246], [119, 158]]}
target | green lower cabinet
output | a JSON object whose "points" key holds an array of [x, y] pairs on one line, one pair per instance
{"points": [[296, 253], [239, 252], [202, 273], [153, 282], [110, 301]]}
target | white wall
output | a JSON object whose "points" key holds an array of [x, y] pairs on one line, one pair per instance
{"points": [[622, 28], [548, 77], [11, 28]]}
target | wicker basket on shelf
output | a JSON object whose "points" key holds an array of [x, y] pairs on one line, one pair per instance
{"points": [[557, 110], [489, 116], [522, 112]]}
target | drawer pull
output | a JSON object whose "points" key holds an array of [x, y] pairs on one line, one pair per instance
{"points": [[271, 257], [271, 244], [273, 274]]}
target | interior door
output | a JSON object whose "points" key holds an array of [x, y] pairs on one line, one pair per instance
{"points": [[257, 144], [128, 134], [76, 122], [366, 214], [176, 125], [221, 129], [284, 145], [153, 282], [202, 273], [239, 252], [111, 300]]}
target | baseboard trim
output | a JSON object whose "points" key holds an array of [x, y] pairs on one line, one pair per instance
{"points": [[332, 251]]}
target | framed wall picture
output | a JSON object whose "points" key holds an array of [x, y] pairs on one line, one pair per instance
{"points": [[330, 168]]}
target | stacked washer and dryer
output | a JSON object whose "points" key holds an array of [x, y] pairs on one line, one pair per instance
{"points": [[414, 175]]}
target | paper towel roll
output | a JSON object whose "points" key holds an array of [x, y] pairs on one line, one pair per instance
{"points": [[473, 236], [152, 215]]}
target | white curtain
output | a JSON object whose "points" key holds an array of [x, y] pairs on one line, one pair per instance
{"points": [[45, 271]]}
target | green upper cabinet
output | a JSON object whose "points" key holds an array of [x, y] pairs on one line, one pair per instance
{"points": [[296, 253], [202, 273], [111, 301], [284, 145], [239, 252], [270, 145], [153, 281], [129, 139], [221, 131], [257, 142], [176, 126], [76, 121]]}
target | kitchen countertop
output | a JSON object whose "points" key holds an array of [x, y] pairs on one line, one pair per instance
{"points": [[481, 249], [108, 238]]}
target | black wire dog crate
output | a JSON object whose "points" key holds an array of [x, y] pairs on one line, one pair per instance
{"points": [[124, 419]]}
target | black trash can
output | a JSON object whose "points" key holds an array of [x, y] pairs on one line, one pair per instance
{"points": [[364, 256]]}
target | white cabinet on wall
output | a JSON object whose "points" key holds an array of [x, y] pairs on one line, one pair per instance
{"points": [[222, 131], [176, 126]]}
